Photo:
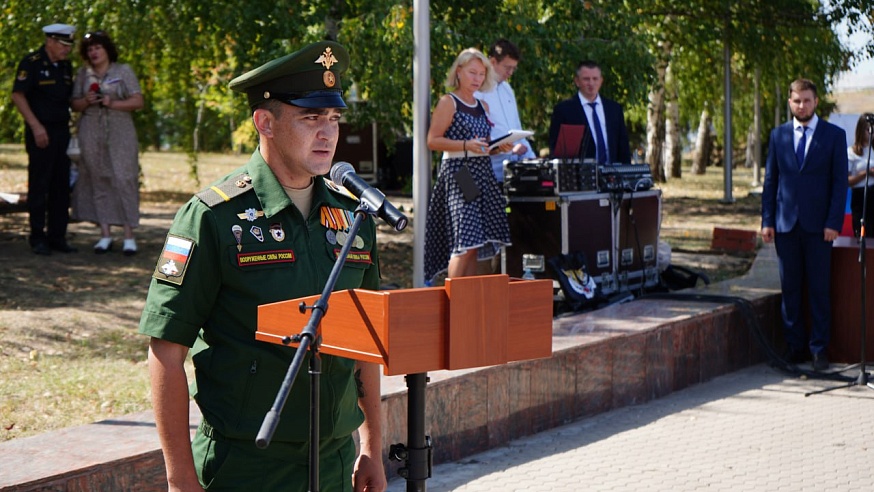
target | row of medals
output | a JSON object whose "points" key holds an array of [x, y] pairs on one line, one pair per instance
{"points": [[340, 237]]}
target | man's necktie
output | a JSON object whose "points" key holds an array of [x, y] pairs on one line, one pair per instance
{"points": [[802, 143], [601, 146]]}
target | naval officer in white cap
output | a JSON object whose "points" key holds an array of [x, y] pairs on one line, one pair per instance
{"points": [[41, 92]]}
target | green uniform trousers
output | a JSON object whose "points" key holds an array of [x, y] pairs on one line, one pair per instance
{"points": [[234, 465]]}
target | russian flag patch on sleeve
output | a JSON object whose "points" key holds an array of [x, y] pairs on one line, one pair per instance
{"points": [[174, 259]]}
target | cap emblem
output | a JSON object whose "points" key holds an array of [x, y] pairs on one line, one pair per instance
{"points": [[326, 60], [329, 79]]}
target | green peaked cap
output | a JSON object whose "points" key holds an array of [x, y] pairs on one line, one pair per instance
{"points": [[309, 78]]}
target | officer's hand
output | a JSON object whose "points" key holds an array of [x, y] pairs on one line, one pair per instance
{"points": [[368, 475], [829, 234], [40, 136], [767, 234], [189, 487]]}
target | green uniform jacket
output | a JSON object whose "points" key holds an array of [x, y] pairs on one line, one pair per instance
{"points": [[231, 248]]}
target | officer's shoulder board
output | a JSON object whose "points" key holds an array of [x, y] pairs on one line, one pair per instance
{"points": [[340, 190], [35, 56], [226, 190]]}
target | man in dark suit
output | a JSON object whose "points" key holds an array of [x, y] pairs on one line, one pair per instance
{"points": [[803, 200], [606, 138]]}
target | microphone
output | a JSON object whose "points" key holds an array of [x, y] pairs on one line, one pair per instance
{"points": [[372, 200]]}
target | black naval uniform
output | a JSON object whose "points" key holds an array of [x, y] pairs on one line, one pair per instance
{"points": [[47, 87]]}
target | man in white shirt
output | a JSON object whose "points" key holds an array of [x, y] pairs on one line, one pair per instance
{"points": [[503, 112]]}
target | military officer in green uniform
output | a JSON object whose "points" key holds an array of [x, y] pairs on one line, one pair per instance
{"points": [[41, 93], [270, 231]]}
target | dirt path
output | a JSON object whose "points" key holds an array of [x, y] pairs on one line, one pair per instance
{"points": [[45, 299]]}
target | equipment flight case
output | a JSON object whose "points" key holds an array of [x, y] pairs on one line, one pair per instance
{"points": [[617, 231]]}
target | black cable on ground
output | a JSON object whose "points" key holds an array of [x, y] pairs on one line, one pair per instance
{"points": [[748, 316]]}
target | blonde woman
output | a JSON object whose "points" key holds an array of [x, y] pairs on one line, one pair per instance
{"points": [[466, 218]]}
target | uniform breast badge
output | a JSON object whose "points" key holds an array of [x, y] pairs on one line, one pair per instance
{"points": [[238, 236], [277, 232], [256, 231], [251, 214]]}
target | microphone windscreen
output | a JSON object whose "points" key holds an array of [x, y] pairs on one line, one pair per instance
{"points": [[339, 170]]}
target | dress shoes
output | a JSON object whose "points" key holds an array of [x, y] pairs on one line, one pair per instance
{"points": [[130, 247], [63, 247], [794, 356], [102, 246], [820, 362], [41, 249]]}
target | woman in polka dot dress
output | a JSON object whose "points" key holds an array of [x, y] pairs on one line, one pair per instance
{"points": [[461, 229]]}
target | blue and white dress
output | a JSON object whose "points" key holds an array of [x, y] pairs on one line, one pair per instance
{"points": [[454, 225]]}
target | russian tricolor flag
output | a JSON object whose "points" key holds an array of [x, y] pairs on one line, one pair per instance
{"points": [[177, 249]]}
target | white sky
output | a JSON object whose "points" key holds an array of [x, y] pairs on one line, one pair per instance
{"points": [[863, 74]]}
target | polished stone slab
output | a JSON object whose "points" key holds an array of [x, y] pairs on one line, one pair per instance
{"points": [[621, 355], [624, 354]]}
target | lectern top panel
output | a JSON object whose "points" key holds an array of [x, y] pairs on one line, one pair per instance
{"points": [[420, 330]]}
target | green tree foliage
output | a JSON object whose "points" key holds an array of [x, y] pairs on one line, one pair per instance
{"points": [[553, 37], [185, 52], [786, 39]]}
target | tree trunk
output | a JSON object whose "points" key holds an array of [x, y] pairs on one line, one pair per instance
{"points": [[655, 121], [201, 105], [757, 130], [749, 157], [674, 148], [703, 144], [232, 127], [777, 107], [332, 21]]}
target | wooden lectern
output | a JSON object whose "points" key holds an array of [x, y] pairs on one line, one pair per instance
{"points": [[471, 322]]}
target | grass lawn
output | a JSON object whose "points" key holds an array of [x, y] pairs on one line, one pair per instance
{"points": [[69, 351]]}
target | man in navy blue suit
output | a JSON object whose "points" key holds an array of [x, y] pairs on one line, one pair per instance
{"points": [[606, 138], [803, 200]]}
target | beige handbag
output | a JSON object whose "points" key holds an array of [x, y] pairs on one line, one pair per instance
{"points": [[73, 151]]}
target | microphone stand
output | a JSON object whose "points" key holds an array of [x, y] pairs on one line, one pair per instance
{"points": [[862, 379], [633, 222], [310, 339]]}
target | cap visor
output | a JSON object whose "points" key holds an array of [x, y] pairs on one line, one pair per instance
{"points": [[319, 99], [62, 39]]}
